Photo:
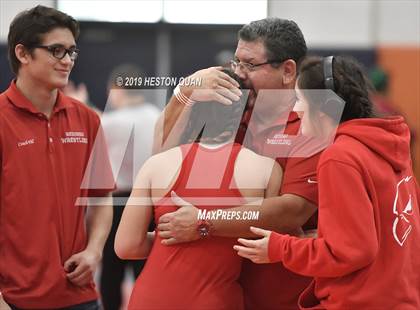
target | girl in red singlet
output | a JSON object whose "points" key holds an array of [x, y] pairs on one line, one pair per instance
{"points": [[213, 173]]}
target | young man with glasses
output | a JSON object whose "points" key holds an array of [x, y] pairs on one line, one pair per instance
{"points": [[48, 255], [266, 58]]}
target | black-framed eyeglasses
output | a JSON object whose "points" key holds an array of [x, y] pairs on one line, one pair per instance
{"points": [[247, 67], [59, 51]]}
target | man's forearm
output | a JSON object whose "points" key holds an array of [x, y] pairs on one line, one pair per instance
{"points": [[99, 221], [284, 214]]}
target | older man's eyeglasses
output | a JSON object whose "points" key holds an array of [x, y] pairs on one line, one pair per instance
{"points": [[247, 67]]}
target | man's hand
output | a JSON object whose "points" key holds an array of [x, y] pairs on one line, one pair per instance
{"points": [[255, 250], [215, 86], [181, 225], [81, 267], [3, 305]]}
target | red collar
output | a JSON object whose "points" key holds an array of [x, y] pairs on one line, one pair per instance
{"points": [[20, 101], [291, 116]]}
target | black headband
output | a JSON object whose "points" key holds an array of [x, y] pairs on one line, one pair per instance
{"points": [[328, 72]]}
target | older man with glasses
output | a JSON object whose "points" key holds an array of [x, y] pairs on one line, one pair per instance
{"points": [[266, 58], [48, 254]]}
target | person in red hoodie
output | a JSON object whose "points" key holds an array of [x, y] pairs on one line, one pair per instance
{"points": [[365, 255]]}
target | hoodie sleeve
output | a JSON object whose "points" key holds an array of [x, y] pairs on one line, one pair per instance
{"points": [[347, 235]]}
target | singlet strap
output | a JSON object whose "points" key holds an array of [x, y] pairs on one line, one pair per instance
{"points": [[189, 151], [230, 167]]}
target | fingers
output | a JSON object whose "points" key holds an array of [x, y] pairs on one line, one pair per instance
{"points": [[250, 257], [244, 250], [260, 231], [170, 241], [164, 230], [216, 86], [251, 254], [163, 226], [80, 270], [71, 263], [248, 243], [217, 67], [255, 250], [255, 259], [165, 234], [82, 279], [84, 265], [244, 255], [166, 218], [227, 93], [229, 79], [226, 84], [223, 100]]}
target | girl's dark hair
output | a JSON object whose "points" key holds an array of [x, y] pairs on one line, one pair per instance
{"points": [[29, 26], [350, 84], [213, 122]]}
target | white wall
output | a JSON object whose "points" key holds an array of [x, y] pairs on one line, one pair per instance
{"points": [[328, 23], [325, 23], [399, 22], [9, 9], [352, 23]]}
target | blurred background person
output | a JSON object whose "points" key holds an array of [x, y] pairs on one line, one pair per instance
{"points": [[384, 105], [78, 92], [81, 93], [382, 102]]}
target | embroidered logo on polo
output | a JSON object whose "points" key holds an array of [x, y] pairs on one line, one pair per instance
{"points": [[403, 210], [279, 139], [74, 137], [26, 142]]}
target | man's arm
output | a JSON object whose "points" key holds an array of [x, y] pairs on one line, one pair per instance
{"points": [[215, 86], [81, 266], [284, 214]]}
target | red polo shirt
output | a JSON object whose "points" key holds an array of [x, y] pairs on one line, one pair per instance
{"points": [[42, 164], [271, 286]]}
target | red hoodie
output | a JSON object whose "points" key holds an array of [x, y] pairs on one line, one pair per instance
{"points": [[367, 254]]}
